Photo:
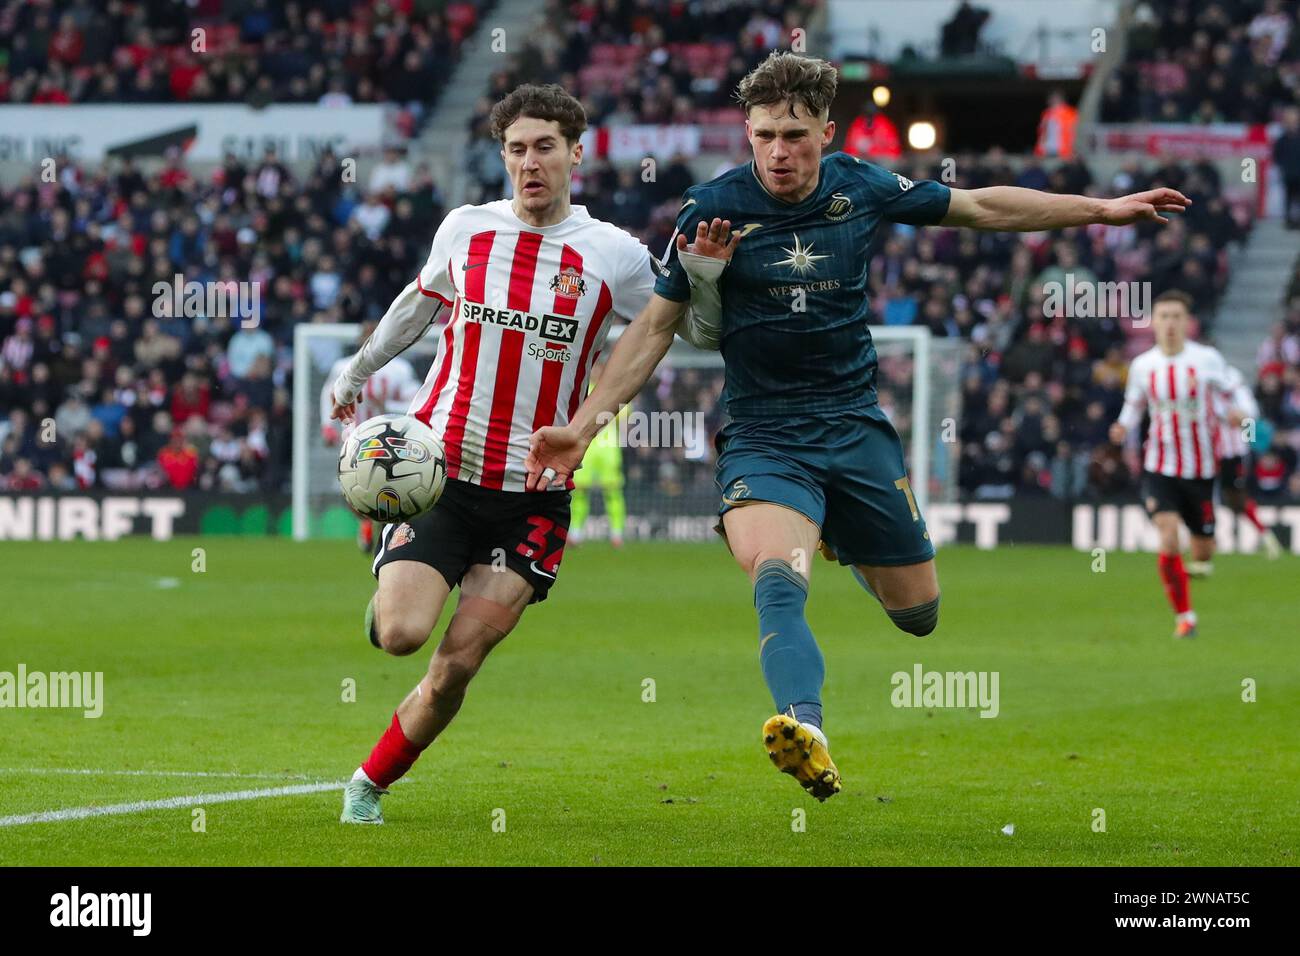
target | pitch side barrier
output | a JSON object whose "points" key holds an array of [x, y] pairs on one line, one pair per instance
{"points": [[1114, 524]]}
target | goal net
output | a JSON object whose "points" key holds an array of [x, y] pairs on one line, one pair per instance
{"points": [[667, 444]]}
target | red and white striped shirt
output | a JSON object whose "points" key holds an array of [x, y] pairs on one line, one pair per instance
{"points": [[1232, 443], [1180, 394], [528, 309], [387, 392]]}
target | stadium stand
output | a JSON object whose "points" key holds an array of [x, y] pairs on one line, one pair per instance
{"points": [[146, 401], [1226, 61], [255, 51], [1278, 392], [1040, 390]]}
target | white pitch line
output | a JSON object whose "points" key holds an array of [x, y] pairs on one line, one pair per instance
{"points": [[158, 773], [170, 803]]}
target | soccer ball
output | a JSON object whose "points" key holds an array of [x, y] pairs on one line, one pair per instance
{"points": [[391, 468]]}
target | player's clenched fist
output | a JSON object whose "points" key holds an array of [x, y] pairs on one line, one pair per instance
{"points": [[554, 454]]}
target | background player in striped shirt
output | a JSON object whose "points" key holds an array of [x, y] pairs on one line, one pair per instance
{"points": [[808, 455], [529, 288], [388, 391], [1177, 382], [1232, 466]]}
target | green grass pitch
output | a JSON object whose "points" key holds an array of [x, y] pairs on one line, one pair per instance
{"points": [[240, 670]]}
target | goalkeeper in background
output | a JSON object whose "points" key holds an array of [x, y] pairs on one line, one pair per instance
{"points": [[808, 455], [602, 470]]}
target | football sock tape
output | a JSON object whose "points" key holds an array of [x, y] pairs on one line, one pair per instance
{"points": [[919, 620]]}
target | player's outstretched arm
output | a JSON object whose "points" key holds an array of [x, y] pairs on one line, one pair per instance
{"points": [[559, 449], [1130, 416], [1014, 209], [1242, 405], [407, 319]]}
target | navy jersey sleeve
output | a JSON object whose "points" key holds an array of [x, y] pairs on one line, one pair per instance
{"points": [[672, 282], [899, 199]]}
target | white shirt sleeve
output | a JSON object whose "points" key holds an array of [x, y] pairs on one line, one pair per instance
{"points": [[1219, 372], [1239, 395], [1135, 398], [636, 280], [412, 313]]}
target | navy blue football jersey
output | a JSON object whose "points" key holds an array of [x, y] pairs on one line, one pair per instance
{"points": [[794, 298]]}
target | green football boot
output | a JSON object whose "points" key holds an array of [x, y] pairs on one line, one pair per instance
{"points": [[361, 802]]}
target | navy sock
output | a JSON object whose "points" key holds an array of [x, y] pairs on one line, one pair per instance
{"points": [[792, 662]]}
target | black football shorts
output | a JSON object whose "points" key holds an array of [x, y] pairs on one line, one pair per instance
{"points": [[1232, 473], [522, 530], [1192, 498]]}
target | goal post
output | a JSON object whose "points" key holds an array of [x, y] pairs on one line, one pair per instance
{"points": [[669, 488]]}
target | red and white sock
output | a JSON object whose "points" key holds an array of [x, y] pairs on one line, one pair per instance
{"points": [[1174, 576], [392, 756], [1253, 515]]}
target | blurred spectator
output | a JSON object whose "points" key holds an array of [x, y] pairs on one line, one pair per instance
{"points": [[394, 173], [1286, 153], [179, 461], [960, 35], [1056, 128], [245, 347], [24, 478], [872, 135]]}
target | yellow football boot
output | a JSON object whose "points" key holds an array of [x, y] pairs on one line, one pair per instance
{"points": [[800, 750]]}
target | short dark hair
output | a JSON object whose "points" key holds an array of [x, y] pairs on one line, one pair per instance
{"points": [[1174, 295], [789, 76], [549, 102]]}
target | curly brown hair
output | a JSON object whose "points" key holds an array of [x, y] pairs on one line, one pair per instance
{"points": [[789, 76], [549, 102]]}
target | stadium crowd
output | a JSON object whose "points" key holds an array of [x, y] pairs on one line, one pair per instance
{"points": [[141, 395], [1041, 385], [331, 52], [645, 62], [1206, 61], [102, 385], [1278, 393]]}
